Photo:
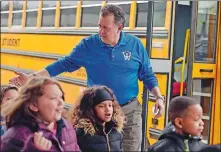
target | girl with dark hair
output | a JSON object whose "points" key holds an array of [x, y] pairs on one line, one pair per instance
{"points": [[99, 120], [34, 119]]}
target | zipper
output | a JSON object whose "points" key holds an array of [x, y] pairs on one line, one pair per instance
{"points": [[107, 138], [186, 145]]}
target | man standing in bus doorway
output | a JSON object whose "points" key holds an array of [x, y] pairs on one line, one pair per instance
{"points": [[117, 60]]}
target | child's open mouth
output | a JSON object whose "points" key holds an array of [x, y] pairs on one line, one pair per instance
{"points": [[108, 115]]}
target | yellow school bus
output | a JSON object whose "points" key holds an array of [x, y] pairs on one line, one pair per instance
{"points": [[185, 48]]}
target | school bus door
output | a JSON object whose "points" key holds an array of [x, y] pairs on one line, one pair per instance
{"points": [[203, 61]]}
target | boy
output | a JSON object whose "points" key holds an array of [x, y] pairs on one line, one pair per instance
{"points": [[184, 129]]}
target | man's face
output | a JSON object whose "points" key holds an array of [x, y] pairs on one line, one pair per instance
{"points": [[108, 30]]}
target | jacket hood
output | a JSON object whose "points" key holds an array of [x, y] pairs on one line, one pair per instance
{"points": [[170, 132], [89, 128]]}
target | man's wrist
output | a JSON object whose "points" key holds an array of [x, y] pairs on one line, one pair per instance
{"points": [[161, 98]]}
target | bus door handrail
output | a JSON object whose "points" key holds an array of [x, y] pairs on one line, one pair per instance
{"points": [[183, 60]]}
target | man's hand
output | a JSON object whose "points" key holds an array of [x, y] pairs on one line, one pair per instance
{"points": [[159, 105], [20, 79], [41, 142]]}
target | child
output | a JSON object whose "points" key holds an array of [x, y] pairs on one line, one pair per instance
{"points": [[99, 120], [8, 93], [185, 127], [35, 122]]}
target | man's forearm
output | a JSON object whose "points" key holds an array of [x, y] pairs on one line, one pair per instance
{"points": [[156, 91]]}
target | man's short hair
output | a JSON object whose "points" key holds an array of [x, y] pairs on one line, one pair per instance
{"points": [[179, 105], [117, 11]]}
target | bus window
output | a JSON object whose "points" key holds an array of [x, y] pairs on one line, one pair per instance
{"points": [[49, 4], [17, 13], [159, 14], [68, 13], [32, 13], [85, 2], [4, 19], [4, 13], [206, 31], [112, 1], [48, 13], [4, 6], [17, 5], [90, 16], [68, 3]]}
